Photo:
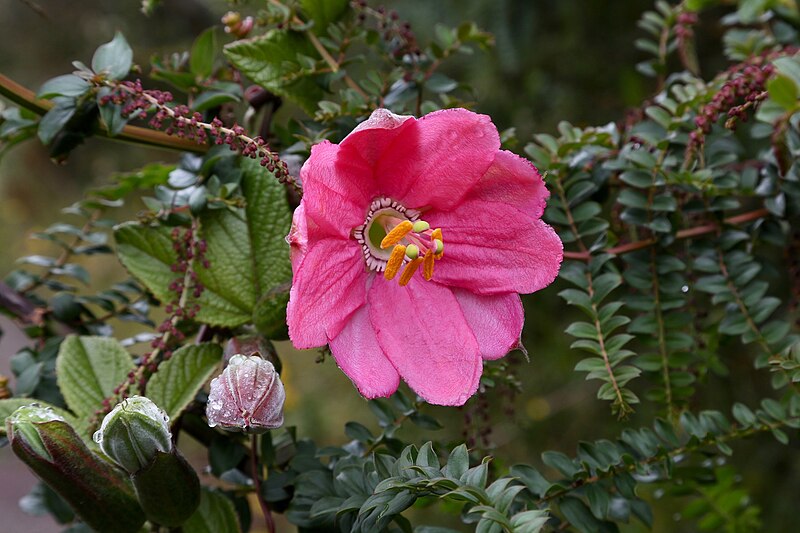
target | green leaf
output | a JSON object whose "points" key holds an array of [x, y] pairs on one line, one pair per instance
{"points": [[783, 91], [249, 270], [9, 405], [201, 60], [54, 120], [560, 462], [178, 379], [271, 61], [324, 12], [216, 514], [66, 85], [576, 512], [113, 119], [458, 462], [114, 58], [88, 370]]}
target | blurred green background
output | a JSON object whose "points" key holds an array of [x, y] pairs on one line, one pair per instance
{"points": [[554, 60]]}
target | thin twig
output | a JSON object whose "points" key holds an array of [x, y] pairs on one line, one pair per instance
{"points": [[683, 234], [24, 97], [270, 522], [326, 56]]}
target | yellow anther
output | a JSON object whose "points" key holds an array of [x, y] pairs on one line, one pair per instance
{"points": [[437, 234], [397, 234], [395, 262], [408, 272], [427, 265]]}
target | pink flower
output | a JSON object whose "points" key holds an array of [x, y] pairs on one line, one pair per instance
{"points": [[409, 249]]}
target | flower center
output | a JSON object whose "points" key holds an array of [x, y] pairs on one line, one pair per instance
{"points": [[393, 238]]}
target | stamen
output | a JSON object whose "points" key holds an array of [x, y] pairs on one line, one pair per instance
{"points": [[395, 262], [427, 265], [408, 272], [438, 246], [397, 234], [420, 226], [437, 234], [412, 251]]}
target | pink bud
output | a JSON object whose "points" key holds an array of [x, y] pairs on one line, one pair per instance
{"points": [[248, 396]]}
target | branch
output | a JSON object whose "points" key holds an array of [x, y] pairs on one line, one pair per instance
{"points": [[326, 56], [682, 234], [24, 97]]}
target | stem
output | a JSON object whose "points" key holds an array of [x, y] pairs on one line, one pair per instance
{"points": [[288, 179], [26, 98], [662, 344], [257, 480], [775, 358], [624, 408], [734, 434], [326, 56], [683, 234]]}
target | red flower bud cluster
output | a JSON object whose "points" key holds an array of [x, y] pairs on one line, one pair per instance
{"points": [[187, 289], [744, 89], [684, 28], [181, 121]]}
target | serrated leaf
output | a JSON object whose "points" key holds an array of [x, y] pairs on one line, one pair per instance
{"points": [[215, 514], [88, 370], [178, 379], [324, 12], [249, 259], [271, 61]]}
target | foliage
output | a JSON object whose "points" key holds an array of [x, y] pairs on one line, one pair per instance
{"points": [[680, 230]]}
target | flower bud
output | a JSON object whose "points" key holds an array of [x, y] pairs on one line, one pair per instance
{"points": [[96, 491], [252, 345], [133, 432], [248, 396]]}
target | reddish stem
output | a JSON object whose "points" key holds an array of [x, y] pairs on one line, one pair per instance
{"points": [[270, 522], [682, 234]]}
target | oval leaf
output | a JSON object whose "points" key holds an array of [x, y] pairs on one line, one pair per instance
{"points": [[178, 379], [88, 370]]}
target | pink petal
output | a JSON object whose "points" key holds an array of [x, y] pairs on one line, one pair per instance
{"points": [[337, 189], [435, 161], [329, 284], [494, 241], [298, 237], [422, 331], [496, 250], [358, 354], [495, 319], [515, 181], [370, 138]]}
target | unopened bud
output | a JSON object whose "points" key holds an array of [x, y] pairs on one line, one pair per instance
{"points": [[252, 345], [248, 396], [97, 492], [133, 432]]}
